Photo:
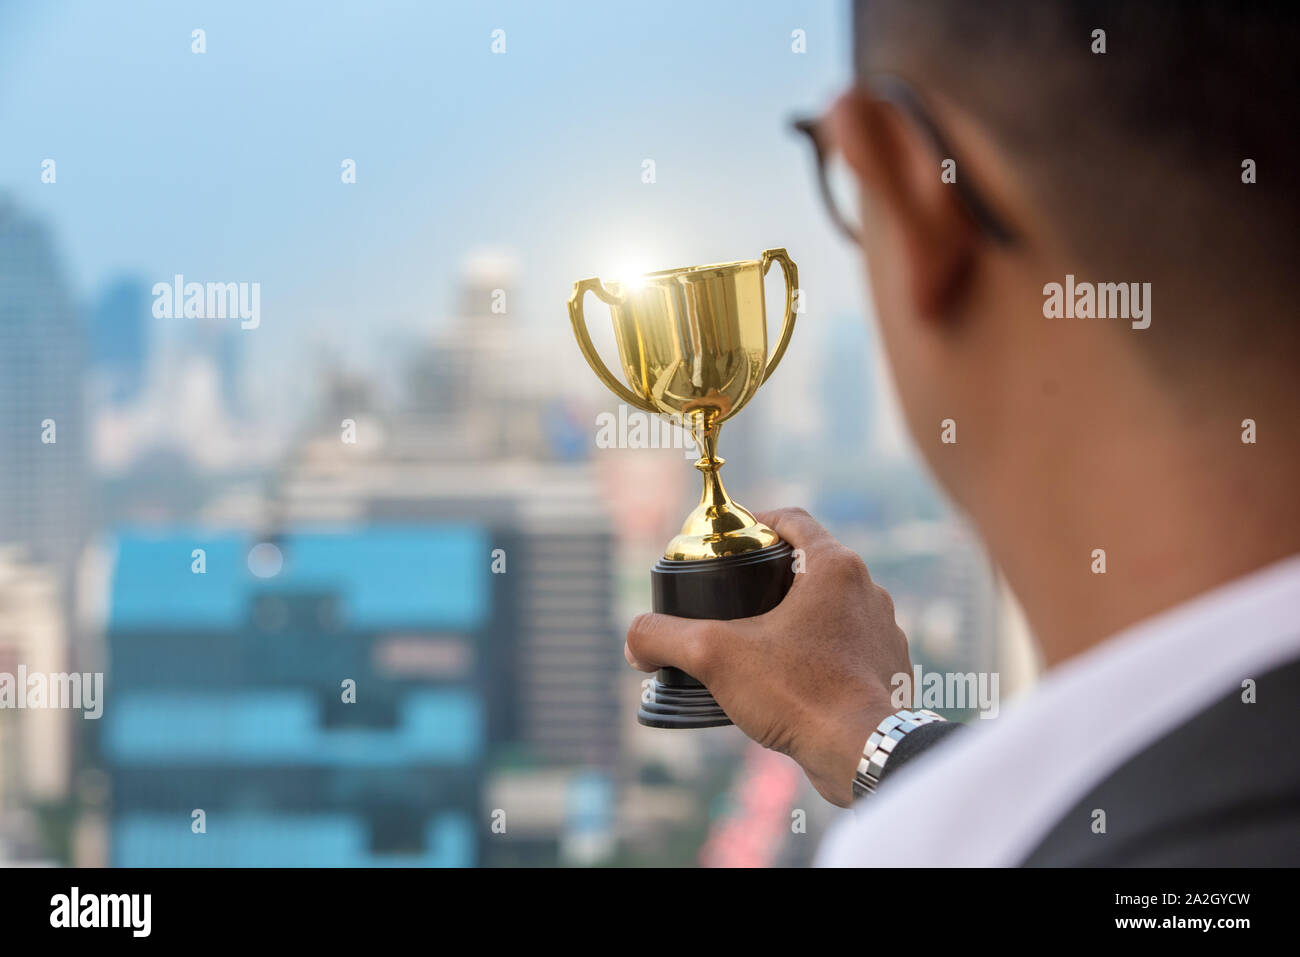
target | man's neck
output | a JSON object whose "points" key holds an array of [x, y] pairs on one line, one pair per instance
{"points": [[1143, 507]]}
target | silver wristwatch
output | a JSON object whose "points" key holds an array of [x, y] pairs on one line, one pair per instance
{"points": [[881, 744]]}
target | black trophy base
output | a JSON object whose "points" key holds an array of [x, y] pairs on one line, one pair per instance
{"points": [[738, 586]]}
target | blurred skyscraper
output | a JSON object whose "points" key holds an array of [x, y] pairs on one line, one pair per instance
{"points": [[849, 389], [42, 415], [119, 328]]}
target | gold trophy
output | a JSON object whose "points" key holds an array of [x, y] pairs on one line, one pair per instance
{"points": [[693, 345]]}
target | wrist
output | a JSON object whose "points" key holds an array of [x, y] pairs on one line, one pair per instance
{"points": [[835, 761]]}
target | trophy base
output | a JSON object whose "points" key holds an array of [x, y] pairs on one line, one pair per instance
{"points": [[737, 586]]}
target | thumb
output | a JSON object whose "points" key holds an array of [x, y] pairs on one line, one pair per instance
{"points": [[657, 641]]}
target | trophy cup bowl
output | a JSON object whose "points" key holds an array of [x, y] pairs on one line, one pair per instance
{"points": [[692, 343]]}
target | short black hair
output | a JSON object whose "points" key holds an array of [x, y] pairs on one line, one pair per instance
{"points": [[1137, 152]]}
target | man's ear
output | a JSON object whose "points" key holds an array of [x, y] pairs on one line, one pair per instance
{"points": [[902, 183]]}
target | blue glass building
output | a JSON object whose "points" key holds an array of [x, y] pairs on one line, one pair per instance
{"points": [[225, 693]]}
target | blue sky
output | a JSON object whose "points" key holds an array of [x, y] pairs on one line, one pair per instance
{"points": [[225, 166]]}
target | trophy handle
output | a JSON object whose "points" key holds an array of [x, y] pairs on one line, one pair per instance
{"points": [[589, 350], [787, 324]]}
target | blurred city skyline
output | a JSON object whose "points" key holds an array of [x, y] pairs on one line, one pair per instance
{"points": [[225, 166]]}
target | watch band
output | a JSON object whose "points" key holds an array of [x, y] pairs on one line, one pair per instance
{"points": [[881, 744]]}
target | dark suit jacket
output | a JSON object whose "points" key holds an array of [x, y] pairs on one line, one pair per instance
{"points": [[1222, 789]]}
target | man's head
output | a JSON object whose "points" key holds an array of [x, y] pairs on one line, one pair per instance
{"points": [[1113, 138]]}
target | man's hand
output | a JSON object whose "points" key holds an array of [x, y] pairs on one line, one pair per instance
{"points": [[811, 678]]}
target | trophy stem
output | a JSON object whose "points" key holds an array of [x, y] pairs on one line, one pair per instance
{"points": [[717, 526], [714, 495]]}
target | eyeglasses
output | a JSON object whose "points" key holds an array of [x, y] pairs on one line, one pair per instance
{"points": [[835, 182]]}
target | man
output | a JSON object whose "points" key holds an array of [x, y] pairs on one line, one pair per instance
{"points": [[1131, 461]]}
